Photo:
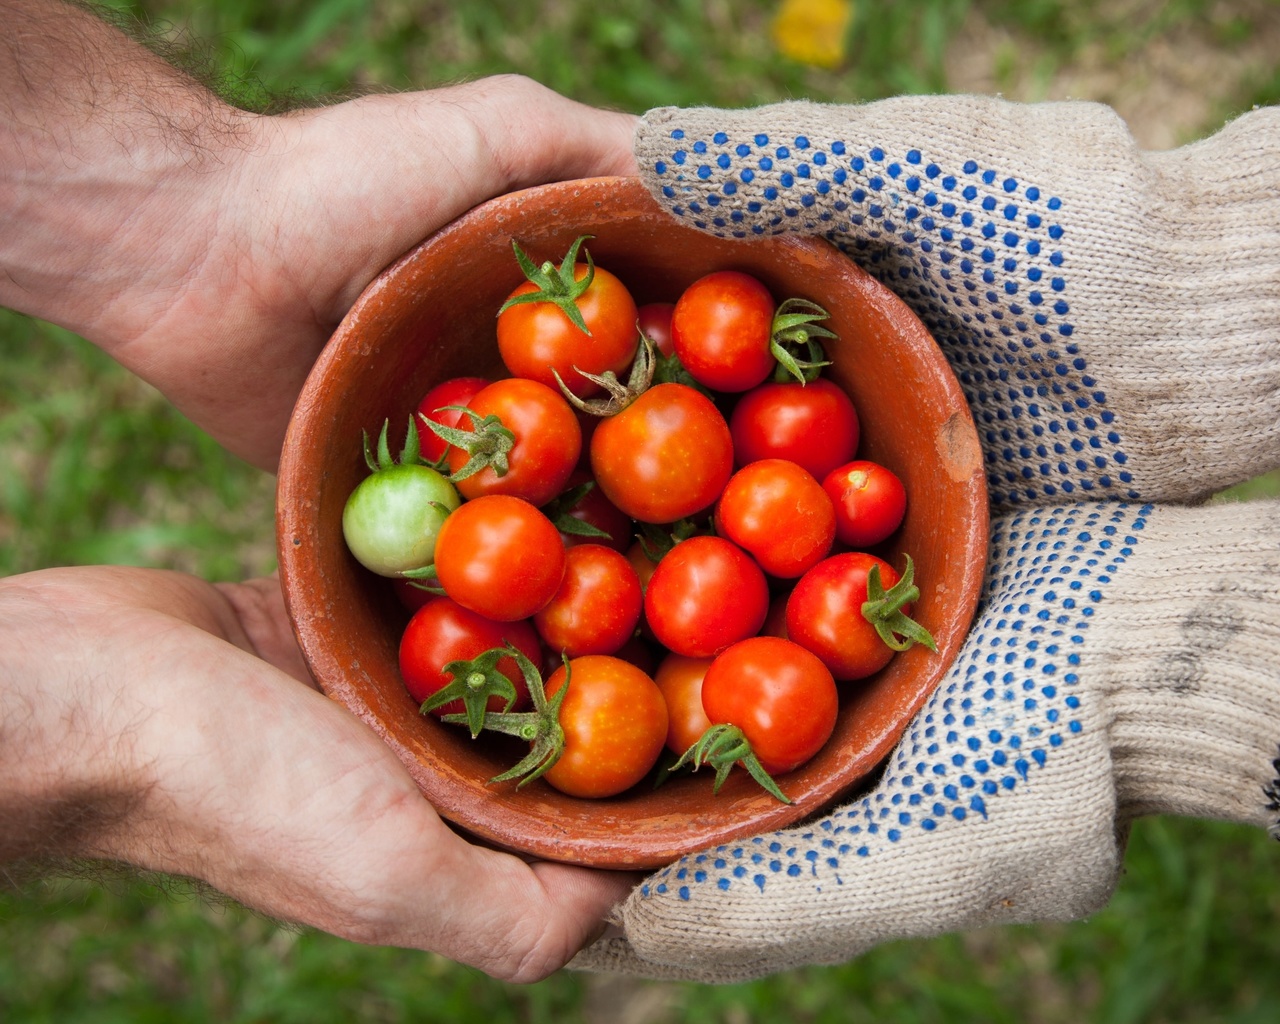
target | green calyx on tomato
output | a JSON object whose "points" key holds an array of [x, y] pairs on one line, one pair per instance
{"points": [[722, 746], [487, 444], [540, 728], [656, 540], [555, 285], [559, 511], [795, 343], [474, 682], [620, 395], [883, 609], [391, 520]]}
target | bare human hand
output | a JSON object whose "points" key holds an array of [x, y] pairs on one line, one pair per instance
{"points": [[213, 251], [158, 720]]}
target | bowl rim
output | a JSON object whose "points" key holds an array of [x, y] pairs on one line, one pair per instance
{"points": [[296, 549]]}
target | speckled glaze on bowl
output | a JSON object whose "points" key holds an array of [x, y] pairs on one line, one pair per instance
{"points": [[430, 317]]}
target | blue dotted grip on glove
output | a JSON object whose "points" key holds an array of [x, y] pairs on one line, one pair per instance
{"points": [[979, 256], [1008, 704]]}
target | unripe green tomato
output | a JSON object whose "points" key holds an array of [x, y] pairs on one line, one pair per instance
{"points": [[392, 518]]}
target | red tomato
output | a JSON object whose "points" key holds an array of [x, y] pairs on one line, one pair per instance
{"points": [[545, 449], [779, 514], [665, 456], [615, 724], [500, 557], [704, 595], [442, 631], [596, 609], [654, 319], [781, 696], [538, 337], [455, 391], [824, 614], [721, 329], [869, 500], [680, 680], [814, 425]]}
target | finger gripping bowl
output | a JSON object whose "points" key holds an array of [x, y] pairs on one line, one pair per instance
{"points": [[430, 317]]}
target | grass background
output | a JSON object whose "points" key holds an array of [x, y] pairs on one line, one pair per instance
{"points": [[94, 467]]}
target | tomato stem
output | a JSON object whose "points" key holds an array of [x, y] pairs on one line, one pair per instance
{"points": [[559, 287], [722, 746], [540, 727], [794, 341], [620, 395], [487, 443], [474, 682], [559, 510], [883, 609]]}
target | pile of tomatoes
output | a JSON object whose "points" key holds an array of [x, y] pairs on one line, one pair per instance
{"points": [[612, 569]]}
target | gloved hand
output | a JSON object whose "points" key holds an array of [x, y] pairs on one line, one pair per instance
{"points": [[1112, 316]]}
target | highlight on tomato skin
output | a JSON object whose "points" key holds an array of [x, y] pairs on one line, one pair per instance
{"points": [[615, 726], [598, 604], [721, 329], [705, 594], [780, 695], [665, 457], [779, 514], [870, 502], [500, 557], [814, 425], [536, 333]]}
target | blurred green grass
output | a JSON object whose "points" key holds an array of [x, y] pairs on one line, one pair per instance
{"points": [[97, 468]]}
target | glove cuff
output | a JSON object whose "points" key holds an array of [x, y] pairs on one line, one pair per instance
{"points": [[1188, 657]]}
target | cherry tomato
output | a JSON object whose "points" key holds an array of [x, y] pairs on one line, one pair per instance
{"points": [[545, 448], [824, 614], [500, 557], [869, 500], [392, 520], [654, 320], [596, 609], [704, 595], [665, 456], [455, 391], [779, 514], [814, 425], [781, 696], [721, 328], [442, 631], [615, 725], [536, 338], [680, 680]]}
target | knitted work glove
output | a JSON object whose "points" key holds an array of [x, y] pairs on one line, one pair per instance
{"points": [[1110, 313], [1112, 316], [1126, 661]]}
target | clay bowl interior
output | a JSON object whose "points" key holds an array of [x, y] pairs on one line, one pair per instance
{"points": [[430, 317]]}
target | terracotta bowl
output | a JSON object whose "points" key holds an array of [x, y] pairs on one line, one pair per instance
{"points": [[430, 317]]}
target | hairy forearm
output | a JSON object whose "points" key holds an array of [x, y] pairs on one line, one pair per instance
{"points": [[67, 782], [105, 149]]}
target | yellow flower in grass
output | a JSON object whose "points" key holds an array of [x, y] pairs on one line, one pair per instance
{"points": [[813, 31]]}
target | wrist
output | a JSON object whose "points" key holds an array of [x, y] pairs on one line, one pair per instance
{"points": [[1187, 658], [70, 770]]}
